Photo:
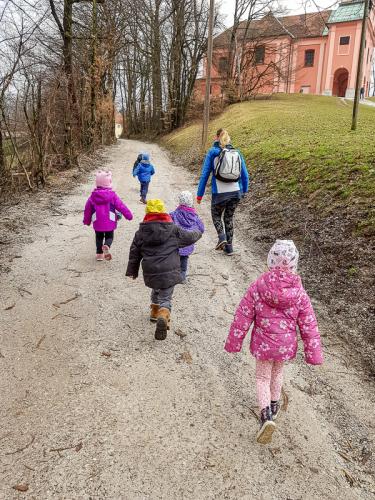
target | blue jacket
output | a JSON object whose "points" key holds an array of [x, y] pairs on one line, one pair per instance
{"points": [[209, 168], [144, 171]]}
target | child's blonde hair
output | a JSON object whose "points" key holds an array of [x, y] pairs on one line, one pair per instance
{"points": [[224, 138]]}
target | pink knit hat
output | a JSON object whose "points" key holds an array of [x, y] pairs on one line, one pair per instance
{"points": [[103, 179]]}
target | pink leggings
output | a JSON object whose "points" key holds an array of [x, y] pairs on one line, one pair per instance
{"points": [[269, 377]]}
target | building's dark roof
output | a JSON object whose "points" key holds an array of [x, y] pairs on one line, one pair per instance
{"points": [[299, 26]]}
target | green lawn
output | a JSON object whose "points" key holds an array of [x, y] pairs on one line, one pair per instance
{"points": [[304, 148]]}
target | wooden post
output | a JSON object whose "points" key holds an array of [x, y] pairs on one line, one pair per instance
{"points": [[206, 112], [358, 83]]}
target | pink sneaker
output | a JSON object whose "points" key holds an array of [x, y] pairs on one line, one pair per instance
{"points": [[107, 253], [99, 256]]}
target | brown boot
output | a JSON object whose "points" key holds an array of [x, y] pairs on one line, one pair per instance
{"points": [[162, 324], [154, 312]]}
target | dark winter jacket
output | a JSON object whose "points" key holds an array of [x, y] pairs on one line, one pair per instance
{"points": [[136, 163], [156, 244]]}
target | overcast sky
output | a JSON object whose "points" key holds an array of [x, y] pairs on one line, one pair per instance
{"points": [[293, 7]]}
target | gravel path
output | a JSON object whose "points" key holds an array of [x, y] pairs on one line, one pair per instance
{"points": [[93, 407]]}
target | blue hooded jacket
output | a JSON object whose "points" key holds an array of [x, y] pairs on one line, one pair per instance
{"points": [[144, 170], [209, 168]]}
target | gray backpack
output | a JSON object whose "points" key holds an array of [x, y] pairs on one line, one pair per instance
{"points": [[228, 166]]}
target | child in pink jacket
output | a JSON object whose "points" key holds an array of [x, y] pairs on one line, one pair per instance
{"points": [[276, 303], [104, 208]]}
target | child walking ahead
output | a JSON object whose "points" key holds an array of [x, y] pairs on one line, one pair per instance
{"points": [[276, 303], [187, 218], [137, 162], [103, 208], [144, 171], [156, 245]]}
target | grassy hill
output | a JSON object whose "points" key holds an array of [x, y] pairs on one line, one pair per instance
{"points": [[313, 180], [303, 147]]}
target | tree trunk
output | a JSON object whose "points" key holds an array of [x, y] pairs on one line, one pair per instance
{"points": [[2, 154], [70, 154], [94, 33], [157, 103]]}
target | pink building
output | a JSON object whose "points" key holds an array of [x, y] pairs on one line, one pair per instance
{"points": [[310, 53]]}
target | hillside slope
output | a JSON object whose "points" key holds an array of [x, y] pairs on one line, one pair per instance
{"points": [[313, 180]]}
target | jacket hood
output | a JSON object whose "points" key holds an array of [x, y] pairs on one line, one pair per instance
{"points": [[101, 196], [280, 289], [184, 217], [156, 233]]}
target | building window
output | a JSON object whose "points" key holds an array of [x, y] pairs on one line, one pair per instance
{"points": [[259, 54], [309, 58], [223, 65], [344, 40], [305, 89]]}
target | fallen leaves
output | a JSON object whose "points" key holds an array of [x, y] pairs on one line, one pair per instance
{"points": [[180, 333], [185, 357], [21, 487]]}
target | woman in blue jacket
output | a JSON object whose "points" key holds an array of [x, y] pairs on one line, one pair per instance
{"points": [[225, 195], [144, 171]]}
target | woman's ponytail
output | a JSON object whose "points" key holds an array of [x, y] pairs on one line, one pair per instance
{"points": [[224, 138]]}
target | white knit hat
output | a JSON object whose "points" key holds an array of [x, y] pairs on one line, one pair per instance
{"points": [[283, 254], [185, 198]]}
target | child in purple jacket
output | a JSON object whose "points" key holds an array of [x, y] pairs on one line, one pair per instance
{"points": [[103, 209], [187, 218]]}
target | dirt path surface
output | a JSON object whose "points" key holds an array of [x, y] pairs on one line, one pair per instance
{"points": [[94, 407]]}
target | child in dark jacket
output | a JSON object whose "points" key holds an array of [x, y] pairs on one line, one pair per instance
{"points": [[144, 171], [136, 163], [103, 209], [186, 218], [156, 244]]}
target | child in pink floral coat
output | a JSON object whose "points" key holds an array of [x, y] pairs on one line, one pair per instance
{"points": [[276, 303]]}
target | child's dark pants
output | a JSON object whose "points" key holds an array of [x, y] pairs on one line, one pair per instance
{"points": [[105, 238], [184, 260], [144, 189]]}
